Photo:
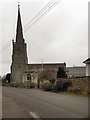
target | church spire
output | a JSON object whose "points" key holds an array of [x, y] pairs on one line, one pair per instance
{"points": [[19, 32]]}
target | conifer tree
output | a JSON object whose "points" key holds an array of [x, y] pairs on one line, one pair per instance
{"points": [[61, 73]]}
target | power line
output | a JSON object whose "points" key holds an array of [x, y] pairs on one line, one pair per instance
{"points": [[54, 4], [46, 6], [36, 18]]}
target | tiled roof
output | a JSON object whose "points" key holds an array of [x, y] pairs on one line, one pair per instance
{"points": [[76, 70]]}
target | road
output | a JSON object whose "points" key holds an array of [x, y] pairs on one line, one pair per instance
{"points": [[49, 105]]}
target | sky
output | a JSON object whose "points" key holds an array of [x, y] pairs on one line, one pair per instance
{"points": [[59, 36]]}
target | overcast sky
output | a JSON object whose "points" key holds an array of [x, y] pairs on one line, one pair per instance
{"points": [[59, 36]]}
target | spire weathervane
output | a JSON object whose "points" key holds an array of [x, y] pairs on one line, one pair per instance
{"points": [[19, 5], [19, 32]]}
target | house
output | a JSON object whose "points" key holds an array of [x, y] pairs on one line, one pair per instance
{"points": [[87, 62], [77, 71]]}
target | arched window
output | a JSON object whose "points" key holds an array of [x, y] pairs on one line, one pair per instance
{"points": [[28, 77]]}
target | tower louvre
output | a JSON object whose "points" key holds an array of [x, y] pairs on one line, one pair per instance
{"points": [[19, 56]]}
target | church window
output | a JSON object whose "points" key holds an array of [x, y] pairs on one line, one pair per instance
{"points": [[28, 77]]}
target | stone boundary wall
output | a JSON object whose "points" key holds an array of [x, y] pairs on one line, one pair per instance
{"points": [[81, 83]]}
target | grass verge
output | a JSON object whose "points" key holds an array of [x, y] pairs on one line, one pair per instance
{"points": [[77, 94]]}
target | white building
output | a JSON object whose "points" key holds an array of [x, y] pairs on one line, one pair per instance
{"points": [[87, 62]]}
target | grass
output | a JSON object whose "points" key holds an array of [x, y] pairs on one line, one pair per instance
{"points": [[77, 94]]}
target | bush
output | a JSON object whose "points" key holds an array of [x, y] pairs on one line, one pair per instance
{"points": [[29, 85], [52, 81], [61, 85], [13, 85], [75, 90], [46, 86], [6, 84], [67, 83], [70, 90], [32, 85], [25, 85], [19, 85]]}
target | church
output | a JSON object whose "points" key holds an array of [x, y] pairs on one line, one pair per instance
{"points": [[21, 71]]}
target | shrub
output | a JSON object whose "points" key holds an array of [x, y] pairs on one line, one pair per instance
{"points": [[75, 90], [61, 85], [20, 85], [88, 91], [32, 85], [70, 89], [25, 85], [13, 84], [52, 81], [46, 86], [29, 85], [6, 84], [66, 84]]}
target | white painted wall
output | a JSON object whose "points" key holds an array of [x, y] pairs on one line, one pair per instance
{"points": [[88, 69], [89, 29]]}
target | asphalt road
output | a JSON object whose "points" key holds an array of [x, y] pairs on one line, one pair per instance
{"points": [[49, 105]]}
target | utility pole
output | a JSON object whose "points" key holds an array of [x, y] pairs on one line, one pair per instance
{"points": [[42, 64]]}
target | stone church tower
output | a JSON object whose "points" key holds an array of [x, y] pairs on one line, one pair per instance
{"points": [[21, 71], [19, 56]]}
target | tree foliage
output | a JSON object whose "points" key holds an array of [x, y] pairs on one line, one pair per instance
{"points": [[47, 74], [4, 79], [8, 77], [61, 73]]}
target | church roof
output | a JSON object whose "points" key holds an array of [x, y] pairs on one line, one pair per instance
{"points": [[47, 64], [76, 70], [19, 33]]}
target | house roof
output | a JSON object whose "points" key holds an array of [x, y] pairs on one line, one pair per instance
{"points": [[76, 70], [87, 61]]}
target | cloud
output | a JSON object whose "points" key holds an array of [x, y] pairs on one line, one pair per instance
{"points": [[59, 36]]}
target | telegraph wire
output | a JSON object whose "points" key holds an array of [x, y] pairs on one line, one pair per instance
{"points": [[33, 19], [41, 11], [37, 19]]}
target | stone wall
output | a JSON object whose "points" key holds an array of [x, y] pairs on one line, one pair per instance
{"points": [[81, 83]]}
